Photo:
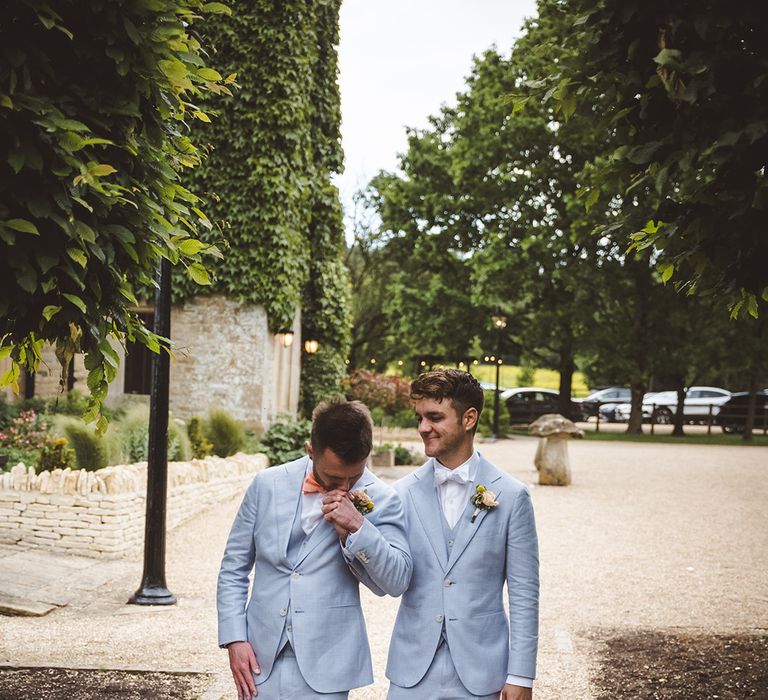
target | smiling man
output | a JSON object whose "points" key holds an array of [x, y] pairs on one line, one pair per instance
{"points": [[470, 530], [310, 531]]}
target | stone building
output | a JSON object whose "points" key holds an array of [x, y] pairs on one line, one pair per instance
{"points": [[224, 356]]}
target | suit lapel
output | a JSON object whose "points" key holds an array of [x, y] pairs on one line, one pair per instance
{"points": [[487, 475], [286, 500], [428, 510]]}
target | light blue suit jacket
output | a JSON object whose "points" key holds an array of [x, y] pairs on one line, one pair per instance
{"points": [[463, 593], [320, 591]]}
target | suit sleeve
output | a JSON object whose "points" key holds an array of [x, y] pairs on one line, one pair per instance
{"points": [[523, 587], [378, 553], [236, 565]]}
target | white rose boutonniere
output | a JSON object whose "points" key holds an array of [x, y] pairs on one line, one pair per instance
{"points": [[362, 501], [482, 499]]}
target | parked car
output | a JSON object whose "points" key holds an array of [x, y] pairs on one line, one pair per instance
{"points": [[619, 412], [662, 406], [589, 406], [526, 404], [733, 413]]}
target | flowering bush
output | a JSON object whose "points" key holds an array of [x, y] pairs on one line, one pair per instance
{"points": [[25, 433], [386, 391]]}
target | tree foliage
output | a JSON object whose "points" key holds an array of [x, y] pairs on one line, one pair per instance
{"points": [[95, 104], [681, 92]]}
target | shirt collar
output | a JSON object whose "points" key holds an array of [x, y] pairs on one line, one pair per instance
{"points": [[468, 470]]}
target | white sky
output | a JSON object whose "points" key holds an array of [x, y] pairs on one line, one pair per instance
{"points": [[400, 61]]}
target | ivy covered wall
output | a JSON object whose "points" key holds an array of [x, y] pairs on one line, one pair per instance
{"points": [[273, 149]]}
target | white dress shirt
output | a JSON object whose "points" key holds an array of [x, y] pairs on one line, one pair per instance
{"points": [[454, 489]]}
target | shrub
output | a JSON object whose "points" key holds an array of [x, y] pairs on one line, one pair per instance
{"points": [[386, 391], [485, 426], [129, 438], [56, 454], [14, 456], [197, 442], [286, 439], [91, 451], [404, 456], [224, 432], [25, 433]]}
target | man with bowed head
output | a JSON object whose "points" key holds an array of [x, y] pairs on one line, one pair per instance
{"points": [[311, 530], [470, 529]]}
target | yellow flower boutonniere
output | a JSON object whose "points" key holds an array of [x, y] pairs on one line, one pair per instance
{"points": [[362, 501], [482, 499]]}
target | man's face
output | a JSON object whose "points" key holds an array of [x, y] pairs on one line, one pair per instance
{"points": [[331, 472], [445, 433]]}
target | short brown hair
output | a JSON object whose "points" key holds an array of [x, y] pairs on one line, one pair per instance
{"points": [[461, 387], [344, 427]]}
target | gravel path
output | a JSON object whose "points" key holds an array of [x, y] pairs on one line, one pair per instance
{"points": [[647, 537]]}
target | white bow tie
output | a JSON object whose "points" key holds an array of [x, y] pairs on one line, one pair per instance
{"points": [[443, 475]]}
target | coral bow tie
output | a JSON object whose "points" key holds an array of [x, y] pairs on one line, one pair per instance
{"points": [[311, 485]]}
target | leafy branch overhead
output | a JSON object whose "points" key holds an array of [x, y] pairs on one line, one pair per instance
{"points": [[96, 100], [680, 92]]}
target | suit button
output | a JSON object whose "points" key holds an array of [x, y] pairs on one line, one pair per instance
{"points": [[295, 574], [283, 612], [438, 618], [289, 628], [447, 584], [450, 543]]}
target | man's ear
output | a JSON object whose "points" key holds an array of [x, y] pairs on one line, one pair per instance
{"points": [[308, 448], [470, 418]]}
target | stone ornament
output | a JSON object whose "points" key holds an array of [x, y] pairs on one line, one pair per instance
{"points": [[551, 457]]}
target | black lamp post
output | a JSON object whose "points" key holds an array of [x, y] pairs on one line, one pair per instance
{"points": [[153, 590], [499, 323]]}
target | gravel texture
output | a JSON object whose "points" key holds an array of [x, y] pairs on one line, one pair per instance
{"points": [[666, 538]]}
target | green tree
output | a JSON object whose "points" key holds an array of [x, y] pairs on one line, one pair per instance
{"points": [[95, 104], [682, 89]]}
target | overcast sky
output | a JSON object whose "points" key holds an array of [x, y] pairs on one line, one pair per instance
{"points": [[399, 61]]}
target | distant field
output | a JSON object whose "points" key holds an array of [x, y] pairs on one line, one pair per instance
{"points": [[544, 378]]}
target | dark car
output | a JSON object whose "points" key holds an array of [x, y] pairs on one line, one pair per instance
{"points": [[733, 413], [526, 404], [589, 406]]}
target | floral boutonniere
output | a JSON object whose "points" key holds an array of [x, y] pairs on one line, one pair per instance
{"points": [[362, 501], [483, 499]]}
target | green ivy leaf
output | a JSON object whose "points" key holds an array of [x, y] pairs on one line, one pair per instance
{"points": [[50, 311], [76, 300], [198, 273], [22, 225]]}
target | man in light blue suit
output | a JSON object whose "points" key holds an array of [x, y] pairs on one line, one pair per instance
{"points": [[307, 531], [470, 530]]}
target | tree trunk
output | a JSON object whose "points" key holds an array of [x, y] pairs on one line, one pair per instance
{"points": [[635, 425], [746, 436], [679, 417], [567, 368]]}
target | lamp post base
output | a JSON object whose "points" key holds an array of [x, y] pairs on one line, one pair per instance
{"points": [[152, 595]]}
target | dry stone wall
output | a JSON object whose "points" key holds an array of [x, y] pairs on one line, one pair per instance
{"points": [[101, 513]]}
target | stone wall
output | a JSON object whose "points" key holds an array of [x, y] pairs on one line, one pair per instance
{"points": [[101, 513]]}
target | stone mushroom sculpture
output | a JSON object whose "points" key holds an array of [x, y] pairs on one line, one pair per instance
{"points": [[551, 457]]}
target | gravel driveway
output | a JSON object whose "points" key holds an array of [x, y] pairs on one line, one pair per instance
{"points": [[648, 537]]}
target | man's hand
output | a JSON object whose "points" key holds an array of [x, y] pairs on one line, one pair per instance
{"points": [[516, 692], [340, 512], [243, 664]]}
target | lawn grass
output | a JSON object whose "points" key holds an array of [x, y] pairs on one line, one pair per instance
{"points": [[716, 438], [542, 378]]}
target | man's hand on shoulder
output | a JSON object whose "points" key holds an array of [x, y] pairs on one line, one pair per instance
{"points": [[243, 664], [340, 512], [516, 692]]}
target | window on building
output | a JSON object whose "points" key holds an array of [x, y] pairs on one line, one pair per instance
{"points": [[138, 363]]}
